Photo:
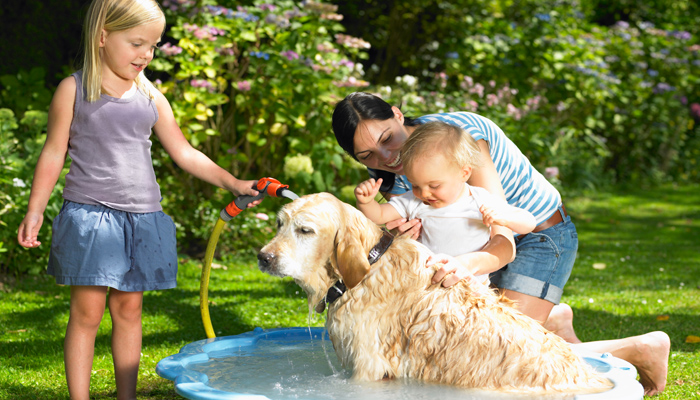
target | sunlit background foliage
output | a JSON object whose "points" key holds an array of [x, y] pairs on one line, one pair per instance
{"points": [[594, 94]]}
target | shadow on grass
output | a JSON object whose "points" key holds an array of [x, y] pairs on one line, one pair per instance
{"points": [[655, 231], [639, 215], [162, 391], [594, 325]]}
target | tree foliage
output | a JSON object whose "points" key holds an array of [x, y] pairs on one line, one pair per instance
{"points": [[593, 93]]}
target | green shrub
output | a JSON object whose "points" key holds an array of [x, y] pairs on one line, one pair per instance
{"points": [[253, 87], [25, 90], [20, 145], [621, 91]]}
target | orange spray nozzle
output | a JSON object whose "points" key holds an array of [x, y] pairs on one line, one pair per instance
{"points": [[265, 187]]}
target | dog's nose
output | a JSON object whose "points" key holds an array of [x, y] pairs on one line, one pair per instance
{"points": [[265, 259]]}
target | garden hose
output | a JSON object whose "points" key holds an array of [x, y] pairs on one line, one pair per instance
{"points": [[265, 186]]}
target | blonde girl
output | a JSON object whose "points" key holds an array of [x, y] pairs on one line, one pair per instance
{"points": [[111, 240]]}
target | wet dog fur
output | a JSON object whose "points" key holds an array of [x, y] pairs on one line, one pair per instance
{"points": [[394, 323]]}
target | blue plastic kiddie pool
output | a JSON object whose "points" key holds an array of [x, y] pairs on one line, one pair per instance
{"points": [[300, 363]]}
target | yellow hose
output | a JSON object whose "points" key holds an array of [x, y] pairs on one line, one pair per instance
{"points": [[206, 272]]}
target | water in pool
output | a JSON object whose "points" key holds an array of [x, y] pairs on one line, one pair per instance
{"points": [[309, 369]]}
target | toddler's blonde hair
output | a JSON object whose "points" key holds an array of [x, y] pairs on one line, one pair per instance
{"points": [[112, 16], [457, 146]]}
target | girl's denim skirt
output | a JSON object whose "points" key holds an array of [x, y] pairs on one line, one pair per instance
{"points": [[94, 245]]}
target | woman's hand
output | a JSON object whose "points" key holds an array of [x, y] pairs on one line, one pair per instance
{"points": [[406, 227], [451, 272]]}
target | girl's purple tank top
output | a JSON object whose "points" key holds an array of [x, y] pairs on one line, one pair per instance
{"points": [[110, 150]]}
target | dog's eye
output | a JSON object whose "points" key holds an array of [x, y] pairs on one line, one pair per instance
{"points": [[279, 224], [305, 230]]}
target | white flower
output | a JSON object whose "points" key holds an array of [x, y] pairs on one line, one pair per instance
{"points": [[297, 164], [409, 80], [16, 182]]}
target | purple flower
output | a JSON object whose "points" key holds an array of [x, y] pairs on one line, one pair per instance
{"points": [[514, 112], [219, 10], [345, 63], [663, 87], [277, 20], [295, 13], [290, 55], [695, 110], [491, 99], [170, 50], [245, 16], [682, 35], [326, 48], [202, 83], [226, 51], [551, 172], [244, 86], [478, 89]]}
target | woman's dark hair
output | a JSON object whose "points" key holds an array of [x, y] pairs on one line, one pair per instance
{"points": [[355, 108]]}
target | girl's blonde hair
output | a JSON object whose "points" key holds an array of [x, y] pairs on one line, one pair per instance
{"points": [[457, 146], [112, 16]]}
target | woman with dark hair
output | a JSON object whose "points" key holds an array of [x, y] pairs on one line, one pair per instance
{"points": [[373, 132]]}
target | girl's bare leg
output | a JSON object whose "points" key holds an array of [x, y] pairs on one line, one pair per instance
{"points": [[87, 306], [125, 309]]}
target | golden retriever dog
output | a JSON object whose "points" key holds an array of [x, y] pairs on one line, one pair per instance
{"points": [[393, 322]]}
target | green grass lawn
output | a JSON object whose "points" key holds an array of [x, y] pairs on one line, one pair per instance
{"points": [[638, 270]]}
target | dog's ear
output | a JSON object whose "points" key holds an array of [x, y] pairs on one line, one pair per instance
{"points": [[350, 247], [351, 259]]}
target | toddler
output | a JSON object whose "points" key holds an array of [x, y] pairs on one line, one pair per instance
{"points": [[438, 159]]}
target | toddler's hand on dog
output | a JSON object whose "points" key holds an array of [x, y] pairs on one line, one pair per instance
{"points": [[451, 271]]}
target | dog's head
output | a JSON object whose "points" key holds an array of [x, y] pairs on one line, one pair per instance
{"points": [[319, 240]]}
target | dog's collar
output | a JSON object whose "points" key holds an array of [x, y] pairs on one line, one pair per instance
{"points": [[375, 254], [380, 248]]}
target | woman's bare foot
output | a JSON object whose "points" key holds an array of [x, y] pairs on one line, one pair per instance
{"points": [[648, 353], [651, 360], [561, 322]]}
